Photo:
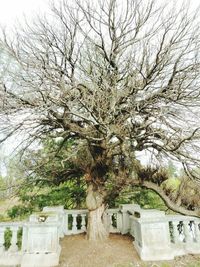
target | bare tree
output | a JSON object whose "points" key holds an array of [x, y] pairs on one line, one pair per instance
{"points": [[116, 78]]}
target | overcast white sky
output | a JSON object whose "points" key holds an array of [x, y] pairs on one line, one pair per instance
{"points": [[11, 10]]}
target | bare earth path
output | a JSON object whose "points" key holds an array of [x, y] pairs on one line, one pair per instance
{"points": [[117, 251]]}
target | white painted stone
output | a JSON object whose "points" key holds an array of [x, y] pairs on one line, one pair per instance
{"points": [[129, 207], [11, 259], [126, 210], [14, 247], [44, 217], [59, 210], [74, 229], [151, 236], [149, 214], [12, 256], [2, 248], [150, 229], [41, 259], [188, 241], [41, 244], [114, 220]]}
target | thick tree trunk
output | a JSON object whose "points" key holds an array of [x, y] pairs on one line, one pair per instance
{"points": [[97, 228]]}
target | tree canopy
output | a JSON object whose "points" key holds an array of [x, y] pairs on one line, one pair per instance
{"points": [[115, 78]]}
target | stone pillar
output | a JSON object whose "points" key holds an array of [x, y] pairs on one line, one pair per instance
{"points": [[66, 223], [197, 231], [152, 237], [59, 210], [42, 244], [14, 247], [176, 237], [74, 223], [2, 248], [187, 232], [119, 221], [126, 210], [83, 222]]}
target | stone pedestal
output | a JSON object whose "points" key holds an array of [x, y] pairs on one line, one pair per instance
{"points": [[59, 210], [126, 210], [150, 230], [41, 244]]}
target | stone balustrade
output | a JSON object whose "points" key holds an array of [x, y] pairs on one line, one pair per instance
{"points": [[184, 234], [114, 220], [10, 247], [75, 221], [31, 243], [162, 237], [157, 236]]}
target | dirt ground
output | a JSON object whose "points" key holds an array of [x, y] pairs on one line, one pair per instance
{"points": [[117, 251]]}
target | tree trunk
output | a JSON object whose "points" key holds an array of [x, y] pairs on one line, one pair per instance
{"points": [[97, 228]]}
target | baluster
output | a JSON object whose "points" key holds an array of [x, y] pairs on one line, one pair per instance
{"points": [[2, 248], [67, 222], [175, 231], [197, 231], [74, 223], [83, 222], [14, 247], [111, 221], [187, 232], [119, 221], [24, 238]]}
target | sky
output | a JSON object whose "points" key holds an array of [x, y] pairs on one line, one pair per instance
{"points": [[13, 10]]}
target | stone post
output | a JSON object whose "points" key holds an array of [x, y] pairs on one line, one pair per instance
{"points": [[42, 244], [187, 232], [151, 233], [14, 247], [2, 248], [197, 231], [83, 222], [176, 237], [126, 210], [74, 223]]}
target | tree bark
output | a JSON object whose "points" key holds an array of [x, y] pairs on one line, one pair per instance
{"points": [[169, 203], [97, 228]]}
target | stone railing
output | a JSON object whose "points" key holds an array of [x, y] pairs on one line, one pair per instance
{"points": [[75, 221], [31, 243], [10, 246], [184, 234], [162, 237], [156, 236], [114, 220]]}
